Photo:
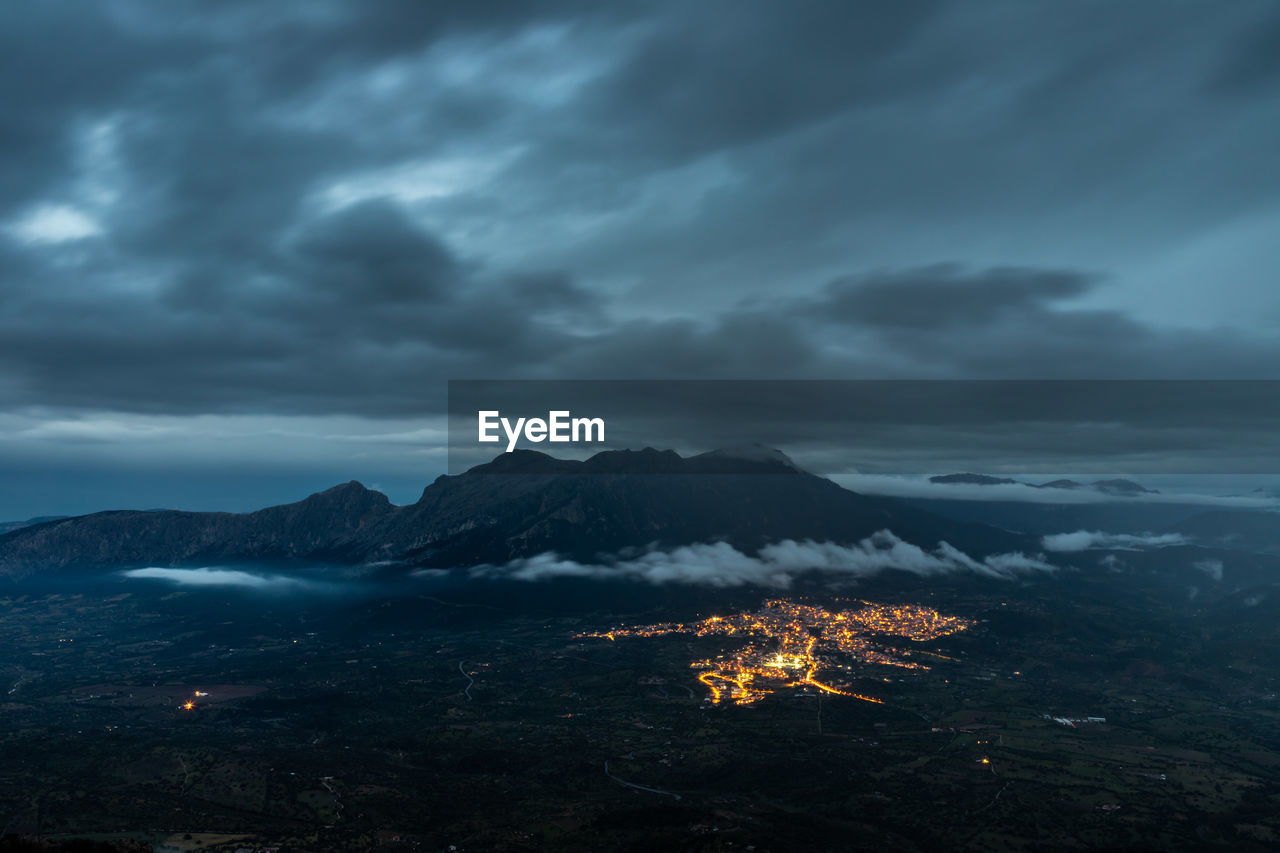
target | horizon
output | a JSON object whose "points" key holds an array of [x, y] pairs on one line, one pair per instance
{"points": [[1232, 492]]}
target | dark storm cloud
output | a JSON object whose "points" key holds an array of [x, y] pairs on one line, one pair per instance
{"points": [[61, 61], [943, 296], [949, 322], [347, 325], [333, 207], [942, 321], [725, 75], [371, 251]]}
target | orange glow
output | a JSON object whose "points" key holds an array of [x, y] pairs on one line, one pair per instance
{"points": [[786, 638]]}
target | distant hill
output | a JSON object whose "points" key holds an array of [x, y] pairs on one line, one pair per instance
{"points": [[10, 526], [1060, 484], [1118, 487], [1122, 487], [973, 479]]}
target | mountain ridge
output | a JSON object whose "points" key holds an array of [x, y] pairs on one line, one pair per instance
{"points": [[516, 505]]}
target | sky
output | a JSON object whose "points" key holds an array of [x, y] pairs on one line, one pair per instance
{"points": [[244, 246]]}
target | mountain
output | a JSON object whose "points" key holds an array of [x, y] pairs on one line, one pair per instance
{"points": [[520, 504]]}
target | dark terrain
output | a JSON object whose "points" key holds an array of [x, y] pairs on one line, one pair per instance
{"points": [[440, 710], [331, 724]]}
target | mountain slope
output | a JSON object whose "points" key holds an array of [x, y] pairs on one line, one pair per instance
{"points": [[1245, 530]]}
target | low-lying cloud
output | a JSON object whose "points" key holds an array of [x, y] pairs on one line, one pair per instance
{"points": [[213, 576], [721, 565], [1092, 540], [1212, 568]]}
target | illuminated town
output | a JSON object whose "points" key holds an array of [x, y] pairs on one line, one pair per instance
{"points": [[790, 644]]}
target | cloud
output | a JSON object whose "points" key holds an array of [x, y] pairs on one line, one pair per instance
{"points": [[55, 224], [1212, 568], [208, 577], [911, 299], [257, 250], [776, 565], [1090, 540]]}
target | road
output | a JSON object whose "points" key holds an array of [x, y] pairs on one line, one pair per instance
{"points": [[470, 681], [634, 785]]}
